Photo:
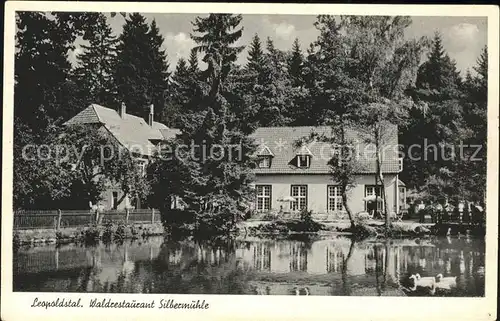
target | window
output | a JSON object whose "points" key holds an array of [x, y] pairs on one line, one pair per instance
{"points": [[114, 201], [400, 163], [141, 167], [303, 161], [299, 193], [263, 197], [265, 161], [402, 197], [334, 198], [371, 190]]}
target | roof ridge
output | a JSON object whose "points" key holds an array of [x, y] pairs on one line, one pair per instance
{"points": [[96, 113]]}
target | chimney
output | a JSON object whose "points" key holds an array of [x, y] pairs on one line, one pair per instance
{"points": [[151, 113], [123, 110]]}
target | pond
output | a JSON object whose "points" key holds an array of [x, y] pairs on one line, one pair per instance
{"points": [[330, 265]]}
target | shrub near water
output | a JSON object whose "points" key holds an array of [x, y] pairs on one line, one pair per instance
{"points": [[305, 224], [91, 234], [108, 233]]}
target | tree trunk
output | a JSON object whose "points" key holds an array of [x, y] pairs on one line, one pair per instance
{"points": [[380, 177], [346, 206], [344, 183]]}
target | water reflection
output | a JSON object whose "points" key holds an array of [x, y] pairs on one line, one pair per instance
{"points": [[333, 266]]}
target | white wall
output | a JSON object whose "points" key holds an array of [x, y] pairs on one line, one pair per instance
{"points": [[317, 189]]}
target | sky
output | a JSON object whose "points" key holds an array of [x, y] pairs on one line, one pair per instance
{"points": [[463, 37]]}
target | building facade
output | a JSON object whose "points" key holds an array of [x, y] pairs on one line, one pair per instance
{"points": [[141, 136], [293, 176], [290, 176]]}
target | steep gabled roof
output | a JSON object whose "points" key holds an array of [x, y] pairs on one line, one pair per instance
{"points": [[304, 151], [264, 151], [131, 131], [281, 141], [169, 133]]}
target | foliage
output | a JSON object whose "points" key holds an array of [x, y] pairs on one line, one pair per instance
{"points": [[360, 73], [307, 222], [185, 92], [214, 185], [75, 166], [455, 116], [357, 72], [304, 224], [42, 68], [91, 234], [108, 232], [267, 87], [94, 72], [296, 64], [141, 72]]}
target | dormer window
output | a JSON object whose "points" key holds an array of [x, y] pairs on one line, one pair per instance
{"points": [[303, 161], [265, 157], [264, 161], [400, 164], [304, 157]]}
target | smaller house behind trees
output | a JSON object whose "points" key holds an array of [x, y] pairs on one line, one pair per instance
{"points": [[141, 137]]}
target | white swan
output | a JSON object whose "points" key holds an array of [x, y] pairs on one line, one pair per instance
{"points": [[423, 281], [446, 282], [301, 291], [423, 284]]}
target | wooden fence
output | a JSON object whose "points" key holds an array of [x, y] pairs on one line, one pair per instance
{"points": [[56, 219]]}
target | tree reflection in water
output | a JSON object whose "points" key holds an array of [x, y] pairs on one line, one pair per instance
{"points": [[333, 265], [345, 283]]}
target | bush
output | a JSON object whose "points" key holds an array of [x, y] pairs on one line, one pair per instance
{"points": [[222, 222], [16, 241], [91, 234], [175, 218], [278, 227], [270, 216], [120, 232], [134, 232], [107, 234], [361, 231], [306, 223]]}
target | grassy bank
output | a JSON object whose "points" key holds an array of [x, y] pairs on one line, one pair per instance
{"points": [[362, 229], [91, 233]]}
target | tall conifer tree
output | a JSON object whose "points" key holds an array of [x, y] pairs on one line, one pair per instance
{"points": [[141, 70], [193, 62], [296, 63], [217, 187], [96, 63]]}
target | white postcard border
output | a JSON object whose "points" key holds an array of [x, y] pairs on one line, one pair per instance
{"points": [[16, 305]]}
